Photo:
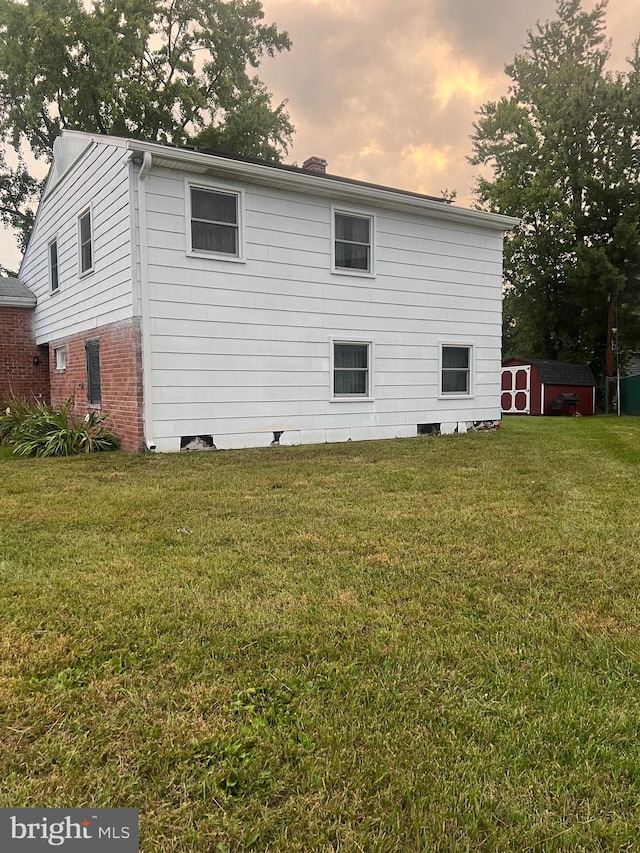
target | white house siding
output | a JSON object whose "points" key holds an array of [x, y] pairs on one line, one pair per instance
{"points": [[241, 350], [104, 296]]}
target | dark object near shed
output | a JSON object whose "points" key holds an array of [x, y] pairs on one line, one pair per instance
{"points": [[565, 404], [537, 386]]}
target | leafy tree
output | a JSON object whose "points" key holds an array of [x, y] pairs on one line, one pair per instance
{"points": [[176, 71], [564, 148]]}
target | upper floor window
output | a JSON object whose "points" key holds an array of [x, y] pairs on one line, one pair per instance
{"points": [[85, 242], [456, 370], [54, 281], [215, 221], [352, 242]]}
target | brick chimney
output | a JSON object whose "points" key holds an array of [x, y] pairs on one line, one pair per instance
{"points": [[316, 165]]}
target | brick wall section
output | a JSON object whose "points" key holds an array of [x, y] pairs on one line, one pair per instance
{"points": [[120, 375], [19, 375]]}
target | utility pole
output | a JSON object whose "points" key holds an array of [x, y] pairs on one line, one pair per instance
{"points": [[609, 372], [614, 344]]}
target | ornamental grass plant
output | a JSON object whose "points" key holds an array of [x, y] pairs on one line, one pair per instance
{"points": [[39, 430]]}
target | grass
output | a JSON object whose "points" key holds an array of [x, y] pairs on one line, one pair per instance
{"points": [[418, 645]]}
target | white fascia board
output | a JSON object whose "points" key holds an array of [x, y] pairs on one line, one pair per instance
{"points": [[17, 301], [327, 186]]}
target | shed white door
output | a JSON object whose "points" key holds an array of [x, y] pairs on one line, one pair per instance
{"points": [[516, 390]]}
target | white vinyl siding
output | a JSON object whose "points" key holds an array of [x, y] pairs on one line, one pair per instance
{"points": [[239, 352], [99, 180]]}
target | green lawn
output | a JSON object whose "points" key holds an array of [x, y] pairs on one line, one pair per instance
{"points": [[416, 645]]}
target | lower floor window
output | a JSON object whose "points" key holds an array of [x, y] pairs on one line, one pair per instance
{"points": [[61, 358], [456, 370], [351, 369], [94, 390]]}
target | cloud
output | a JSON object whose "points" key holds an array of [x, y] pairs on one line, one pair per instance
{"points": [[386, 90], [488, 33], [381, 89]]}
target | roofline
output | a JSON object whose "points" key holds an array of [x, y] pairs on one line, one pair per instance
{"points": [[294, 179], [17, 301], [333, 186]]}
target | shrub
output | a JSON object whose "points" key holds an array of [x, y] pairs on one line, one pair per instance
{"points": [[12, 414], [39, 430]]}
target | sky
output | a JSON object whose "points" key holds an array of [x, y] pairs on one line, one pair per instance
{"points": [[386, 90]]}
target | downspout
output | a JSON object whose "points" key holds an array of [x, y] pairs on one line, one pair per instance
{"points": [[147, 385]]}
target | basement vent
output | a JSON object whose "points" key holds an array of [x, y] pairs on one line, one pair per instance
{"points": [[428, 429], [276, 438], [197, 442]]}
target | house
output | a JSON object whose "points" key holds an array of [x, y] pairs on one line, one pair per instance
{"points": [[207, 300], [538, 386]]}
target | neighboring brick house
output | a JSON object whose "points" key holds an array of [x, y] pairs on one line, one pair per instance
{"points": [[24, 368], [203, 299]]}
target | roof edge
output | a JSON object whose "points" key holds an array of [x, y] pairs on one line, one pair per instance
{"points": [[293, 178], [17, 302], [14, 293]]}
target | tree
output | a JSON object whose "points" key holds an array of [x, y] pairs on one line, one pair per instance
{"points": [[171, 71], [564, 148]]}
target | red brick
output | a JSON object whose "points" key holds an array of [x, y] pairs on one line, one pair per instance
{"points": [[20, 375], [120, 378]]}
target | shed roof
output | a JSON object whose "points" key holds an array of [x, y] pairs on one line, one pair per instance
{"points": [[15, 293], [561, 372]]}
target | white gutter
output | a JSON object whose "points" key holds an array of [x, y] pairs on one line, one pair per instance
{"points": [[17, 302], [147, 385], [330, 186]]}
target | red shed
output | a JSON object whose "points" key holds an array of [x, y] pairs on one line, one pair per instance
{"points": [[539, 386]]}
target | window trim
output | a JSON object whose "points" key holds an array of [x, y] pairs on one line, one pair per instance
{"points": [[60, 355], [53, 242], [350, 398], [82, 273], [359, 214], [212, 186], [456, 395]]}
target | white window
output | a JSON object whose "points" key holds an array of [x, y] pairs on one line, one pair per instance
{"points": [[352, 242], [215, 222], [61, 358], [455, 370], [54, 281], [351, 369], [85, 242]]}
